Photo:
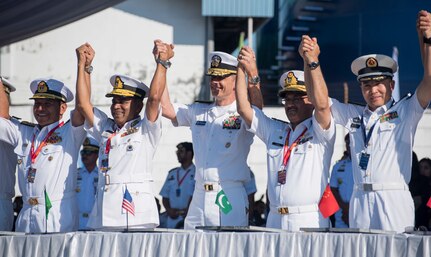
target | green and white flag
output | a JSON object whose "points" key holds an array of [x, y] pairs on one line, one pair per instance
{"points": [[48, 204], [223, 203]]}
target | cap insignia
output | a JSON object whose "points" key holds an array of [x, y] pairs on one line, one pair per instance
{"points": [[371, 62], [291, 79], [42, 87], [215, 61], [118, 83]]}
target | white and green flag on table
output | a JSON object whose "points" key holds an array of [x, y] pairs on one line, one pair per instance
{"points": [[223, 203]]}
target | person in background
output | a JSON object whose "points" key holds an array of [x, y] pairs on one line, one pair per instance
{"points": [[177, 191], [8, 160], [87, 180], [423, 212], [341, 183]]}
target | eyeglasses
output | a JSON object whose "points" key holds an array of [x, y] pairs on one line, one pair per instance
{"points": [[295, 100]]}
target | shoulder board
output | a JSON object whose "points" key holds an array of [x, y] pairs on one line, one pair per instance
{"points": [[280, 120], [356, 103], [204, 102], [172, 170], [27, 123], [111, 119], [66, 122], [79, 169], [17, 118]]}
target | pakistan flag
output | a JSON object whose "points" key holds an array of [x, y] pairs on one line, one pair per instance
{"points": [[223, 203]]}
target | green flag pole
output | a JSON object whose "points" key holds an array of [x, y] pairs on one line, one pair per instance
{"points": [[241, 40]]}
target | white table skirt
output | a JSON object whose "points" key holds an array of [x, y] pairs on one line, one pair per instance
{"points": [[222, 244]]}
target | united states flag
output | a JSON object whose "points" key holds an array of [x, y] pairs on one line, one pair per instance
{"points": [[128, 204]]}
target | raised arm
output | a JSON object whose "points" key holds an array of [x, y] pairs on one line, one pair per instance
{"points": [[423, 25], [85, 55], [4, 102], [314, 82], [248, 61], [242, 103], [162, 53]]}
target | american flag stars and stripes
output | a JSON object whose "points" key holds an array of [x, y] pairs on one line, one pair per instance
{"points": [[128, 204]]}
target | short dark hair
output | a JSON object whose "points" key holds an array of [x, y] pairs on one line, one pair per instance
{"points": [[188, 146]]}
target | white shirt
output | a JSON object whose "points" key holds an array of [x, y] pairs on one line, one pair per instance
{"points": [[130, 165], [179, 186], [308, 168], [55, 172], [342, 179], [390, 157], [220, 150], [86, 188]]}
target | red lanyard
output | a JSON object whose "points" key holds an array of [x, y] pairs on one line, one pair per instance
{"points": [[108, 143], [34, 154], [288, 149], [180, 181]]}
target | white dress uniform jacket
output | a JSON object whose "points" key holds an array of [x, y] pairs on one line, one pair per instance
{"points": [[179, 188], [86, 188], [381, 198], [342, 179], [130, 165], [221, 144], [8, 160], [55, 172], [307, 171]]}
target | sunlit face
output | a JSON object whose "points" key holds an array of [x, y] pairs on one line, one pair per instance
{"points": [[48, 111], [124, 109], [377, 93], [297, 107], [223, 87]]}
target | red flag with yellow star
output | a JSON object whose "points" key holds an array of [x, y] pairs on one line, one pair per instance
{"points": [[328, 204]]}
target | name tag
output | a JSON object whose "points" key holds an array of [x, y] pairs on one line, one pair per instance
{"points": [[277, 144], [200, 123]]}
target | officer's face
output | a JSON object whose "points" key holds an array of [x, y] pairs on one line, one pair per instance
{"points": [[425, 168], [48, 111], [297, 107], [181, 154], [223, 87], [89, 157], [124, 109], [377, 93]]}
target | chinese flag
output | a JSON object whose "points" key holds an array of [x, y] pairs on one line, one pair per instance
{"points": [[328, 204], [429, 203]]}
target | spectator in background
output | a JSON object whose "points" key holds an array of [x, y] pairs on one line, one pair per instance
{"points": [[177, 191], [87, 180], [250, 189], [423, 212], [341, 183]]}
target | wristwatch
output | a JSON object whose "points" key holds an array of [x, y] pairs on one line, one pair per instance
{"points": [[427, 40], [167, 64], [88, 69], [254, 80], [313, 65]]}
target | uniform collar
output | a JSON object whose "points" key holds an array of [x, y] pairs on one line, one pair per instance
{"points": [[380, 110], [219, 111], [128, 124], [48, 127], [304, 124]]}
